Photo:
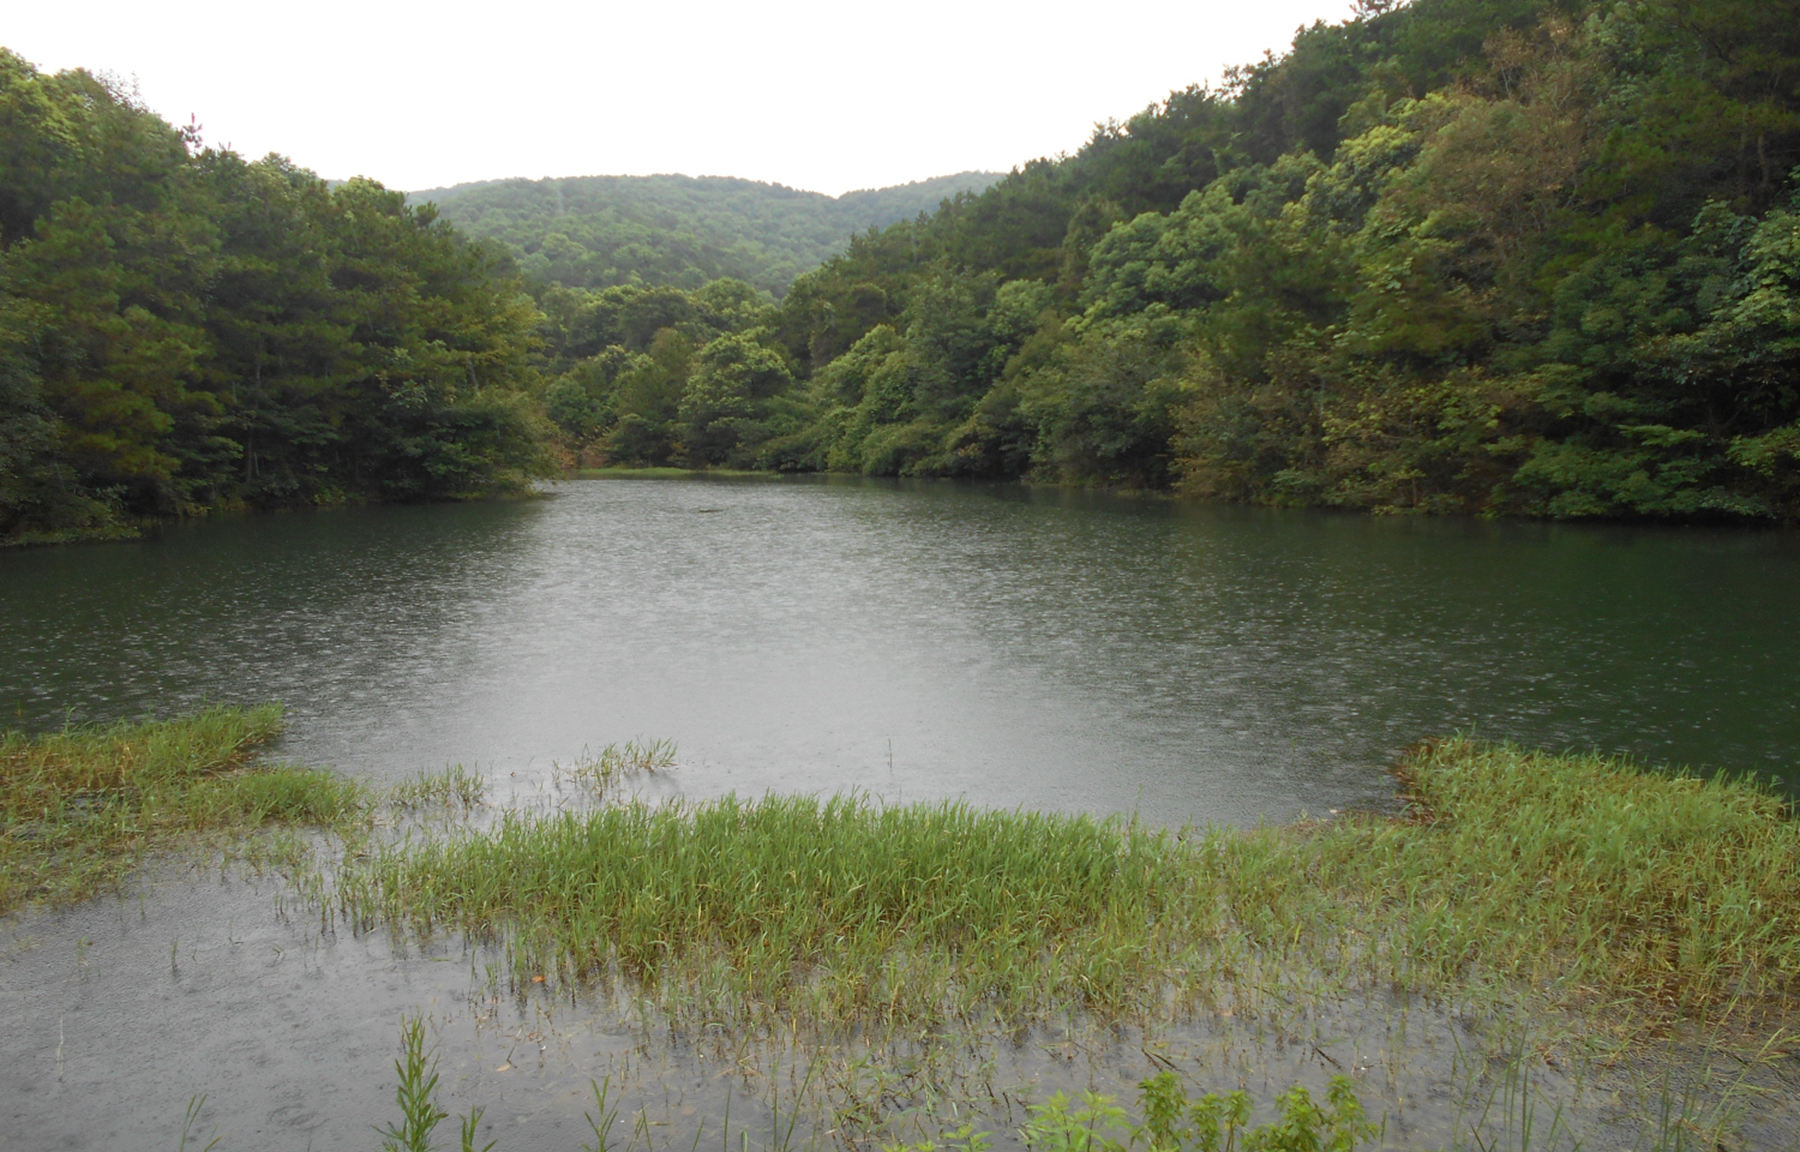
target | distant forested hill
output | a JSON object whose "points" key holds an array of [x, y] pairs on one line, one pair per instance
{"points": [[679, 231]]}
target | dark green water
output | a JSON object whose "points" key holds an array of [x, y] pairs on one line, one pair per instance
{"points": [[1014, 646]]}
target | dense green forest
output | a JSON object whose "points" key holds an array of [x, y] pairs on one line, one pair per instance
{"points": [[181, 330], [1535, 257], [1512, 257], [678, 231]]}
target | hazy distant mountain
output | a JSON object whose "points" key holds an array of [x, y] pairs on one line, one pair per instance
{"points": [[595, 231]]}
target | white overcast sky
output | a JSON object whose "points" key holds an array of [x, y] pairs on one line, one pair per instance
{"points": [[826, 96]]}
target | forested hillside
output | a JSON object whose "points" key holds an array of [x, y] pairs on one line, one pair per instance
{"points": [[181, 330], [1534, 257], [1507, 257], [679, 231]]}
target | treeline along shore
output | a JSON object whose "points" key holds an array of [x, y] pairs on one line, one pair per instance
{"points": [[1497, 257]]}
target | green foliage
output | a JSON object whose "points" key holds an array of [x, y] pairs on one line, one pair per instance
{"points": [[572, 406], [678, 231], [724, 411], [181, 330], [655, 376], [80, 808], [1480, 256], [1104, 407], [1169, 1121], [1491, 257], [1094, 1124]]}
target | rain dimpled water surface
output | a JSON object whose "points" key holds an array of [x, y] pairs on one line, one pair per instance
{"points": [[1011, 646]]}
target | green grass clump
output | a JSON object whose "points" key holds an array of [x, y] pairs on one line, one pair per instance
{"points": [[80, 808], [1580, 875], [825, 909], [1567, 880]]}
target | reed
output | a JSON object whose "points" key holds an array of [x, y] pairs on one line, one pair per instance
{"points": [[80, 808]]}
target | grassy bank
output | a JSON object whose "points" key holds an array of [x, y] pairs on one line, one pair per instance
{"points": [[79, 809], [1576, 881]]}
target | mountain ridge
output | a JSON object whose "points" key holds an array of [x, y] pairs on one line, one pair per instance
{"points": [[675, 230]]}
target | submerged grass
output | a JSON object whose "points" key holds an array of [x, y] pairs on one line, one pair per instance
{"points": [[1576, 881], [80, 808], [455, 787], [599, 773]]}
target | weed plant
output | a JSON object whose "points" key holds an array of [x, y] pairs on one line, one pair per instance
{"points": [[1169, 1121], [80, 808], [415, 1095]]}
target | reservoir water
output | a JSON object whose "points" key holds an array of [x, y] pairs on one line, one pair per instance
{"points": [[1012, 646]]}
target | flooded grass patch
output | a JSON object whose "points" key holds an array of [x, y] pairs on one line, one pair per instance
{"points": [[81, 808], [1540, 952], [1576, 880], [827, 910], [1581, 940], [454, 788], [1656, 896], [599, 773]]}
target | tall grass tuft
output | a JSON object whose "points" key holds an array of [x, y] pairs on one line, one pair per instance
{"points": [[416, 1097], [822, 908], [80, 808]]}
